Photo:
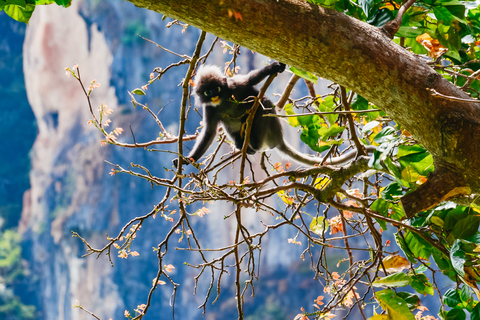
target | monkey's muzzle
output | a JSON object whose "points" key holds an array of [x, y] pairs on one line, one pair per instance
{"points": [[216, 100]]}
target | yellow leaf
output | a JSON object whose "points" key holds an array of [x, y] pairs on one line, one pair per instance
{"points": [[322, 182], [410, 175], [395, 263], [433, 46], [436, 221], [380, 317], [285, 198], [390, 6], [319, 226]]}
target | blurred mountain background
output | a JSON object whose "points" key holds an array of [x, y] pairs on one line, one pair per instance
{"points": [[54, 178]]}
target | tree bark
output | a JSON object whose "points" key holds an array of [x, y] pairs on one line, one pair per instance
{"points": [[360, 57]]}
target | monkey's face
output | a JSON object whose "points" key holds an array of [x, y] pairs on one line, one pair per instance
{"points": [[212, 95]]}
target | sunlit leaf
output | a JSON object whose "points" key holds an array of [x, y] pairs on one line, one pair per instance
{"points": [[395, 263], [369, 126], [422, 284], [419, 247], [293, 121], [138, 92], [433, 46], [451, 298], [392, 191], [319, 225], [386, 135], [380, 317], [304, 74], [322, 182], [19, 13], [396, 307], [285, 197], [399, 279], [334, 130]]}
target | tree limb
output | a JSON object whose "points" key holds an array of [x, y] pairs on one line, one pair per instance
{"points": [[355, 55]]}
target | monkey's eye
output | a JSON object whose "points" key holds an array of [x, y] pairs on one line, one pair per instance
{"points": [[212, 92]]}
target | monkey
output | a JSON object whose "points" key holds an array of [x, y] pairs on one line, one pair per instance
{"points": [[227, 100]]}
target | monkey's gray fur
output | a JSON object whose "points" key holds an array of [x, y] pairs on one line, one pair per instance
{"points": [[226, 101]]}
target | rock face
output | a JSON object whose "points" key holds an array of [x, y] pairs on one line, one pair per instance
{"points": [[67, 160], [72, 190]]}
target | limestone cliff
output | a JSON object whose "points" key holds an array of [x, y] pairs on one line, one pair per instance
{"points": [[70, 185]]}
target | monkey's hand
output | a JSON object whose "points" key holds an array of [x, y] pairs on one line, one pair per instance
{"points": [[277, 67]]}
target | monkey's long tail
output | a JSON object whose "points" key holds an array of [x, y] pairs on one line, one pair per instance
{"points": [[308, 160]]}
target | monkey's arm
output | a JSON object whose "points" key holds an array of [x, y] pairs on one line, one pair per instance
{"points": [[207, 135], [255, 76]]}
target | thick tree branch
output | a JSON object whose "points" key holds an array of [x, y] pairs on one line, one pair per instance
{"points": [[353, 54]]}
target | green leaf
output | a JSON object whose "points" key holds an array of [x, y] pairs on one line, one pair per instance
{"points": [[422, 284], [443, 15], [467, 227], [415, 157], [453, 216], [405, 150], [465, 294], [456, 314], [44, 2], [20, 3], [21, 14], [451, 298], [381, 206], [330, 132], [138, 92], [328, 105], [475, 314], [387, 134], [398, 279], [366, 6], [359, 103], [64, 3], [392, 191], [458, 257], [458, 12], [412, 299], [409, 32], [304, 74], [324, 3], [402, 244], [418, 246], [444, 265], [381, 18], [293, 121], [396, 307], [393, 169]]}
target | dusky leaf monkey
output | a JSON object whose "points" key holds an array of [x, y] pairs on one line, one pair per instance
{"points": [[226, 101]]}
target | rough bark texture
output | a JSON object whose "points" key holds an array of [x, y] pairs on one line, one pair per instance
{"points": [[361, 57]]}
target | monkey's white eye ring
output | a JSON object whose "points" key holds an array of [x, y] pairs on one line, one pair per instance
{"points": [[205, 93], [218, 89]]}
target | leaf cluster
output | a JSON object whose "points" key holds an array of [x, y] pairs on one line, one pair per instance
{"points": [[22, 10]]}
